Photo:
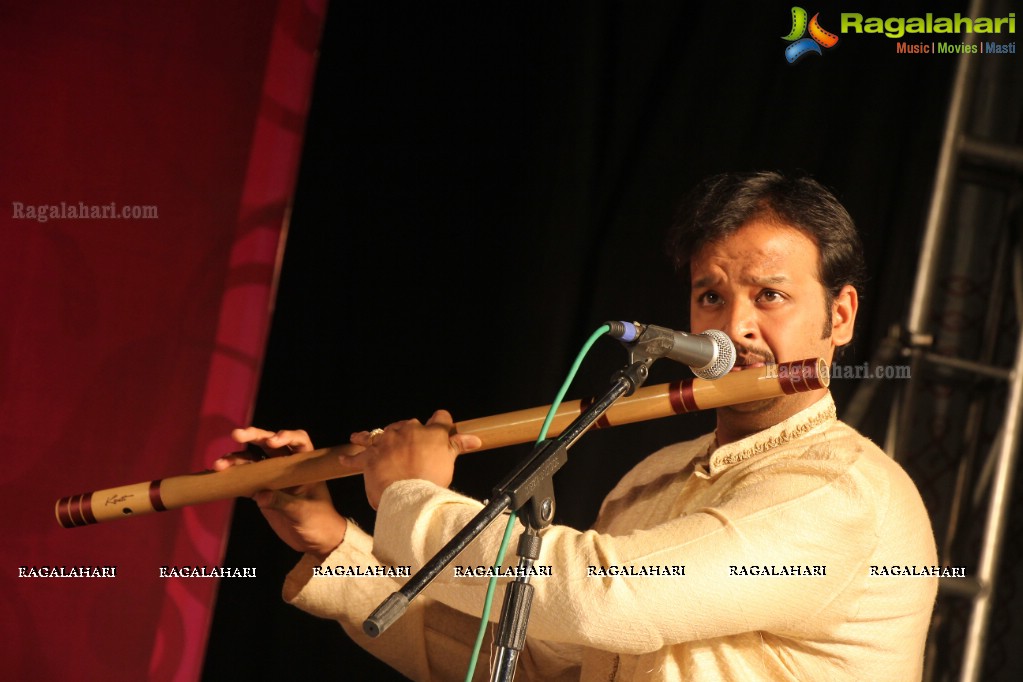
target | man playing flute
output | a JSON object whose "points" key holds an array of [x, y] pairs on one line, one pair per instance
{"points": [[777, 517]]}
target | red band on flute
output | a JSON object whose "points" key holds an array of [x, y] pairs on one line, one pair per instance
{"points": [[786, 370], [80, 509], [675, 398], [799, 376], [680, 395], [154, 495], [813, 375], [75, 510], [64, 513]]}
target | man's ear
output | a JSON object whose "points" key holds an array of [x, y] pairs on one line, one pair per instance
{"points": [[843, 315]]}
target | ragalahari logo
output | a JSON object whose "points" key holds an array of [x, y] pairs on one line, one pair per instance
{"points": [[802, 46]]}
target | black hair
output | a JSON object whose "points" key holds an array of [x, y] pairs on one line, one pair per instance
{"points": [[721, 204]]}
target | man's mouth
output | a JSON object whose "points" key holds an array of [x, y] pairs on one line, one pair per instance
{"points": [[747, 364]]}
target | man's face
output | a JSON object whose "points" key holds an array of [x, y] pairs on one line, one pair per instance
{"points": [[760, 286]]}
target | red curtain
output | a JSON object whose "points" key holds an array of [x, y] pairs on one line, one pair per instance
{"points": [[132, 339]]}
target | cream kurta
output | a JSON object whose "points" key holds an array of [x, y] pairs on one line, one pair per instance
{"points": [[809, 492]]}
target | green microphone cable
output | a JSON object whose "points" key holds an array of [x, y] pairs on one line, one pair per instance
{"points": [[492, 584]]}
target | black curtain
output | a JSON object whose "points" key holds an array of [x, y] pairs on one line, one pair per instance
{"points": [[484, 184]]}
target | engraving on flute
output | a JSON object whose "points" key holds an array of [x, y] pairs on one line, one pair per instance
{"points": [[117, 499]]}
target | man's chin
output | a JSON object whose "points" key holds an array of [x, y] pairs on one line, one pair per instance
{"points": [[755, 407]]}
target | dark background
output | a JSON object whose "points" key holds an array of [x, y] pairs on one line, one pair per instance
{"points": [[484, 184]]}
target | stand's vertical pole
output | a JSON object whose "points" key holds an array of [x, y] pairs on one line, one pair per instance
{"points": [[511, 637]]}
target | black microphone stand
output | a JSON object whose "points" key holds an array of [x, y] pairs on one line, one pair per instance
{"points": [[529, 490]]}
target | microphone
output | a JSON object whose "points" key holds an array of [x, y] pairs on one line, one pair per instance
{"points": [[710, 355]]}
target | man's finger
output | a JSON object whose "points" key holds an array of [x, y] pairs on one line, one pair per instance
{"points": [[358, 460], [230, 460], [274, 499], [292, 440], [250, 434], [364, 438], [440, 417], [464, 442]]}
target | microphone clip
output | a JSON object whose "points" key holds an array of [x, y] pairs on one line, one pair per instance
{"points": [[635, 374], [645, 343], [652, 343]]}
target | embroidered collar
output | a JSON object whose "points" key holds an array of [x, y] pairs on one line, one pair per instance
{"points": [[819, 415]]}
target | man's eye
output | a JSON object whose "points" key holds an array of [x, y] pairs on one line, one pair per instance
{"points": [[709, 298], [771, 296]]}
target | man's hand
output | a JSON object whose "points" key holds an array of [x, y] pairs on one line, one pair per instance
{"points": [[409, 449], [303, 516]]}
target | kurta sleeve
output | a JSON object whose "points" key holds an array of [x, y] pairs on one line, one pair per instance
{"points": [[788, 518], [751, 560], [431, 641]]}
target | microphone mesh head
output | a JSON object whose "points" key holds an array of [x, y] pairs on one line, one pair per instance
{"points": [[724, 356]]}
